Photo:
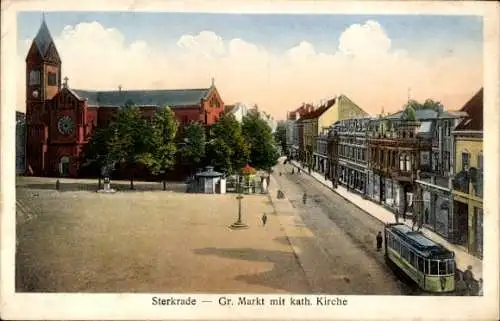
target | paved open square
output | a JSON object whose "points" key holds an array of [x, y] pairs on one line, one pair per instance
{"points": [[148, 240]]}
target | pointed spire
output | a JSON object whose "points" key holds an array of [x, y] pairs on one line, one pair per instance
{"points": [[44, 39], [213, 82]]}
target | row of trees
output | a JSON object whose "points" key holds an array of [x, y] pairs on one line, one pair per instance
{"points": [[130, 142]]}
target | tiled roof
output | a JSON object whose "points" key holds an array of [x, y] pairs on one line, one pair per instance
{"points": [[117, 98], [473, 108], [43, 39], [318, 112]]}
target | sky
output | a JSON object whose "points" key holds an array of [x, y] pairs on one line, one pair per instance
{"points": [[275, 61]]}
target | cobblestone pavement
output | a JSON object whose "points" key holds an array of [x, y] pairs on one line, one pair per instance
{"points": [[148, 241], [346, 236]]}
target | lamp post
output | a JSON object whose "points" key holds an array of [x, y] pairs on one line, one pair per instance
{"points": [[239, 223]]}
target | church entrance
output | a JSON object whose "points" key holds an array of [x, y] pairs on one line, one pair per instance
{"points": [[64, 166]]}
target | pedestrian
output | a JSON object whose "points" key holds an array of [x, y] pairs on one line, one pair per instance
{"points": [[304, 198], [480, 285], [461, 286], [468, 278], [264, 219], [379, 241], [293, 171], [298, 170]]}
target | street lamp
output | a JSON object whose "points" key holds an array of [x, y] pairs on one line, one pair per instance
{"points": [[239, 223]]}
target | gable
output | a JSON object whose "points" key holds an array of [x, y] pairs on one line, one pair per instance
{"points": [[33, 53], [52, 55]]}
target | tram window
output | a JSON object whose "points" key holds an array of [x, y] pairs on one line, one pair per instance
{"points": [[442, 267], [434, 268], [412, 259], [451, 267], [405, 252], [420, 261]]}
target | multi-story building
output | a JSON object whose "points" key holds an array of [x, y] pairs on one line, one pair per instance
{"points": [[433, 199], [20, 142], [319, 120], [292, 129], [322, 166], [351, 156], [393, 150], [468, 180]]}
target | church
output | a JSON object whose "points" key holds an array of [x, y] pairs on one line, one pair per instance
{"points": [[60, 120]]}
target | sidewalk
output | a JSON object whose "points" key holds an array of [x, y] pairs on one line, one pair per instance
{"points": [[463, 259]]}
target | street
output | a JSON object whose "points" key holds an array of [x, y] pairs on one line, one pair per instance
{"points": [[345, 237]]}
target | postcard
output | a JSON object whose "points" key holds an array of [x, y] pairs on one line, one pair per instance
{"points": [[249, 160]]}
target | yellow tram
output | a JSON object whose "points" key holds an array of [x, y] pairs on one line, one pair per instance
{"points": [[429, 264]]}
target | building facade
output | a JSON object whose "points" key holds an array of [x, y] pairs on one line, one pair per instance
{"points": [[433, 199], [351, 157], [468, 181], [61, 120], [319, 121], [294, 131], [393, 149], [20, 143]]}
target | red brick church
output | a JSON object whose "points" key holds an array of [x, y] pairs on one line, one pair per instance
{"points": [[60, 120]]}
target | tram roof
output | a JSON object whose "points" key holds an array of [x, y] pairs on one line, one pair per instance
{"points": [[419, 241]]}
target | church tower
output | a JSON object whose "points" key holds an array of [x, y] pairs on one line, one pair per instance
{"points": [[43, 72], [43, 82]]}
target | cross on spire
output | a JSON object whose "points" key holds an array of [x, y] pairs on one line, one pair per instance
{"points": [[65, 85], [213, 81]]}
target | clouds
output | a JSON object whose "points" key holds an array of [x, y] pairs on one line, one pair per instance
{"points": [[365, 67]]}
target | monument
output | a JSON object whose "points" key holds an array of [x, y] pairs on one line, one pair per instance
{"points": [[107, 181]]}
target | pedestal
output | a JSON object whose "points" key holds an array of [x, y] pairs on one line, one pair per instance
{"points": [[107, 189]]}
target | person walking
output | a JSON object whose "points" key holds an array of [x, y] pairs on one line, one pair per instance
{"points": [[264, 219], [468, 278], [460, 286], [379, 241], [480, 285], [304, 198]]}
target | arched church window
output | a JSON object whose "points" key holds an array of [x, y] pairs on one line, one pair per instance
{"points": [[408, 162], [34, 77]]}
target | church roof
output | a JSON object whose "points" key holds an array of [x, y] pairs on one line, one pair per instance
{"points": [[43, 40], [155, 98]]}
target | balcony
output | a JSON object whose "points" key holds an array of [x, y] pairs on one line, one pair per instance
{"points": [[461, 182], [400, 175]]}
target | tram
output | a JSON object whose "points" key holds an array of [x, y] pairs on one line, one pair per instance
{"points": [[429, 264]]}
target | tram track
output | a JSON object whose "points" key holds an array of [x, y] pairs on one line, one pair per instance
{"points": [[358, 227]]}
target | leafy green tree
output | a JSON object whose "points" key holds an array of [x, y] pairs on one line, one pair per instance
{"points": [[280, 136], [263, 151], [194, 149], [427, 104], [161, 156], [228, 143], [96, 153], [131, 140]]}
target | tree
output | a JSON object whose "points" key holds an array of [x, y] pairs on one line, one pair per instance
{"points": [[161, 157], [131, 140], [194, 140], [280, 136], [263, 151], [427, 104], [96, 153], [228, 143]]}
